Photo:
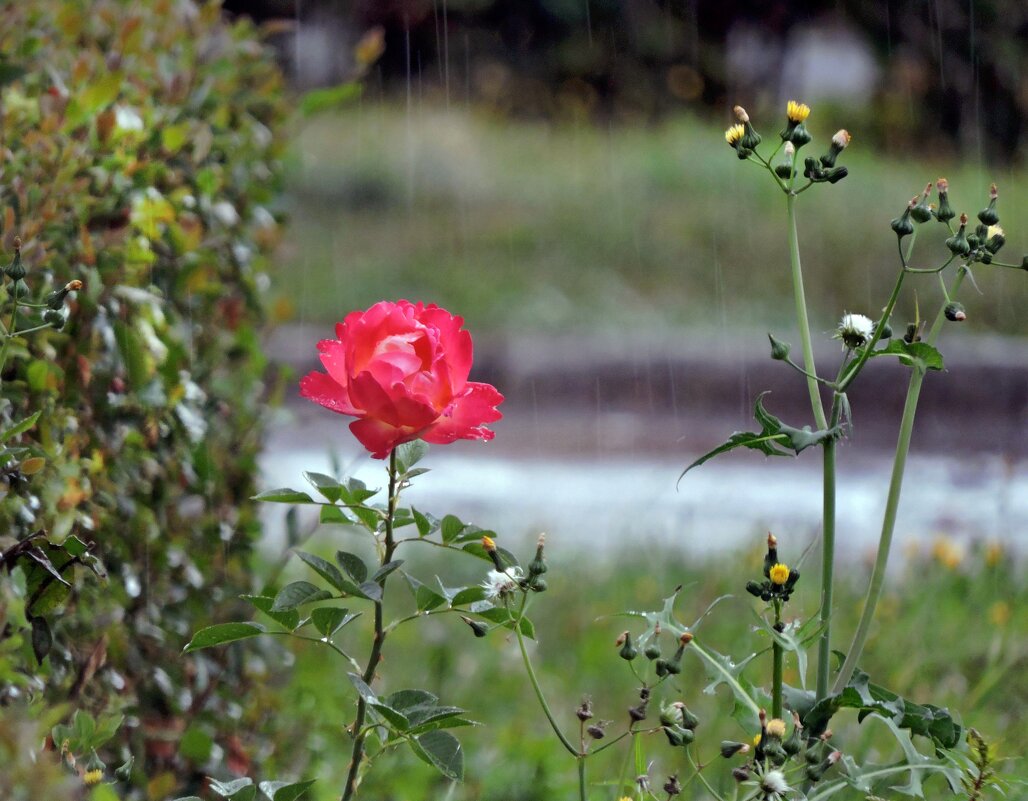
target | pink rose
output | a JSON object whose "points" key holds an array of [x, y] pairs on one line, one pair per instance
{"points": [[402, 370]]}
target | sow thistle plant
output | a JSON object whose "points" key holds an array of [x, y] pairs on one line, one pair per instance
{"points": [[401, 370]]}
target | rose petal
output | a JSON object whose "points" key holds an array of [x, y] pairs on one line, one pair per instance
{"points": [[322, 389], [466, 416], [379, 437], [333, 357], [393, 406]]}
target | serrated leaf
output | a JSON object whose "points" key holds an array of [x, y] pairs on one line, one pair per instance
{"points": [[409, 454], [323, 568], [404, 700], [442, 750], [296, 594], [238, 789], [223, 633], [329, 619], [395, 719], [288, 619], [353, 565], [386, 569], [468, 595], [424, 523], [326, 485], [283, 495], [285, 791], [450, 527], [334, 515], [20, 427], [913, 354]]}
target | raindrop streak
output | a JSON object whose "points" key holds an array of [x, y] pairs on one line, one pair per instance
{"points": [[588, 23]]}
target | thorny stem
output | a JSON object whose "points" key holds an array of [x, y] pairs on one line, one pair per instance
{"points": [[380, 634], [874, 590]]}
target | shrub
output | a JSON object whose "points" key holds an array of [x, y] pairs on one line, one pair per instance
{"points": [[137, 155]]}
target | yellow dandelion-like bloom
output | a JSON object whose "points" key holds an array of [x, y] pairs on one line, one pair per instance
{"points": [[797, 112], [776, 727], [91, 777], [488, 543], [999, 614], [756, 739], [993, 554], [734, 134], [947, 553], [779, 574], [993, 230]]}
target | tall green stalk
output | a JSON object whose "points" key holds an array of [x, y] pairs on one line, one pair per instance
{"points": [[824, 648], [778, 659], [801, 315], [874, 590], [360, 736]]}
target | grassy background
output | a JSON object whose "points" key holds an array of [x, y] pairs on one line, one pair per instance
{"points": [[948, 633], [543, 226]]}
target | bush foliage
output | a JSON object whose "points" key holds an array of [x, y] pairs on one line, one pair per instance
{"points": [[137, 155]]}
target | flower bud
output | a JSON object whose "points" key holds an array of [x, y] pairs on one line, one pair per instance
{"points": [[489, 545], [958, 244], [628, 651], [672, 787], [55, 300], [988, 215], [689, 719], [779, 349], [585, 710], [995, 239], [754, 589], [734, 137], [54, 318], [886, 330], [835, 147], [955, 312], [785, 169], [478, 628], [637, 714], [902, 224], [729, 748], [16, 270], [538, 565], [836, 174], [793, 744], [944, 213], [922, 212], [595, 731], [771, 557], [750, 138], [741, 773]]}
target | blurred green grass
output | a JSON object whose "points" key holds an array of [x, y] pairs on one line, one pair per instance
{"points": [[948, 632], [550, 227]]}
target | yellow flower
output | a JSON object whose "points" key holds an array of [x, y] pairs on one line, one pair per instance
{"points": [[797, 112], [999, 613], [92, 776], [488, 543], [756, 739], [993, 230], [947, 553], [993, 554], [776, 728], [734, 134], [779, 574]]}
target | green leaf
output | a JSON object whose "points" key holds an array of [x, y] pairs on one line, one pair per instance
{"points": [[20, 427], [772, 438], [371, 591], [424, 523], [476, 549], [386, 569], [355, 492], [285, 791], [42, 639], [425, 597], [926, 720], [298, 593], [404, 700], [363, 690], [325, 569], [289, 619], [409, 454], [133, 353], [223, 633], [450, 528], [913, 354], [442, 750], [334, 515], [329, 619], [238, 790], [326, 485], [283, 495], [318, 100], [503, 617], [468, 595], [353, 565], [396, 719]]}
